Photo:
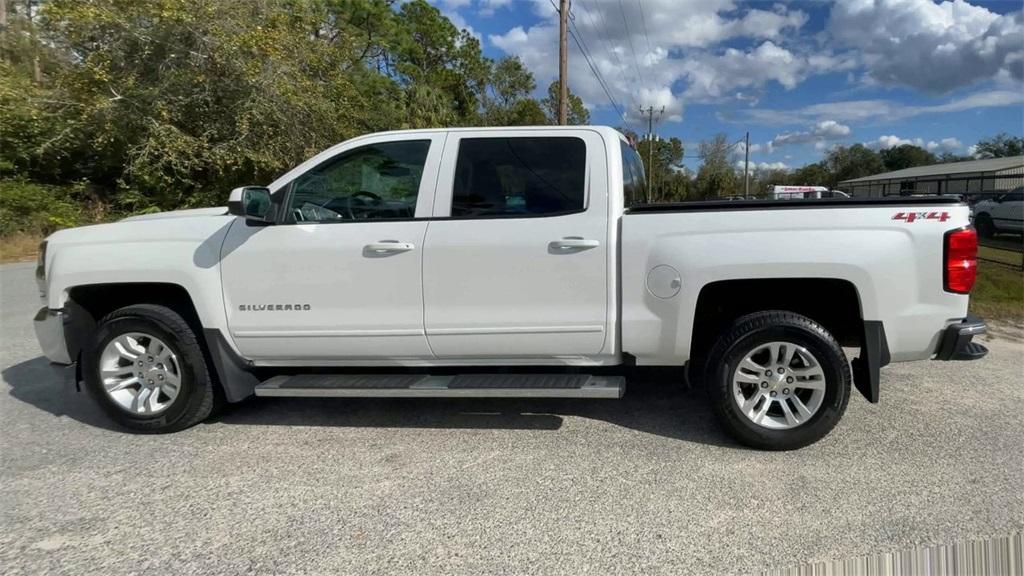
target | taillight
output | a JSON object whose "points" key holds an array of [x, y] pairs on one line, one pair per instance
{"points": [[961, 260]]}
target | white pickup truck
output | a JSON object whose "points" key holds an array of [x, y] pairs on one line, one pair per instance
{"points": [[505, 262]]}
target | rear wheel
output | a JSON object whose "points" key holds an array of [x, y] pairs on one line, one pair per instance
{"points": [[778, 380], [983, 224], [146, 369]]}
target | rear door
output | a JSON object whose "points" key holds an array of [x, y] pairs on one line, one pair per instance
{"points": [[337, 279], [516, 260]]}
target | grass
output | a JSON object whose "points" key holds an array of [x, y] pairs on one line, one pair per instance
{"points": [[998, 293], [19, 247], [1011, 257]]}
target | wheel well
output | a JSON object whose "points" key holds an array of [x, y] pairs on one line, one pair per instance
{"points": [[102, 299], [830, 302]]}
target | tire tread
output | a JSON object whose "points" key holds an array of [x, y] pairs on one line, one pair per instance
{"points": [[753, 323]]}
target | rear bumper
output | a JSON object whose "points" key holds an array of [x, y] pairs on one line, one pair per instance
{"points": [[956, 343], [49, 326]]}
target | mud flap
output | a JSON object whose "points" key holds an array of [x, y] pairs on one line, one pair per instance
{"points": [[874, 353]]}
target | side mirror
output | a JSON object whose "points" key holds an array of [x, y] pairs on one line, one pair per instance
{"points": [[251, 203]]}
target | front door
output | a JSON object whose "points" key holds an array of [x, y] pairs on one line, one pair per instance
{"points": [[516, 264], [337, 278]]}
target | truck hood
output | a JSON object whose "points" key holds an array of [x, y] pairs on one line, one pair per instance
{"points": [[216, 211]]}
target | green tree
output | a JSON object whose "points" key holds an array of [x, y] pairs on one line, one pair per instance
{"points": [[846, 162], [661, 159], [508, 101], [815, 174], [171, 103], [906, 156], [578, 113], [1000, 146], [716, 177]]}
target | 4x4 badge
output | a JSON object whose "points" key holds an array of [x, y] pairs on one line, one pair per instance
{"points": [[912, 216]]}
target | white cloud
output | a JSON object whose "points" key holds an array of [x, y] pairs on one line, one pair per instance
{"points": [[934, 47], [671, 60], [712, 76], [880, 110], [459, 22], [489, 7], [763, 165], [944, 145], [676, 52], [820, 133], [972, 150], [892, 141]]}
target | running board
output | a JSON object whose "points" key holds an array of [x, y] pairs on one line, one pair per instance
{"points": [[458, 386]]}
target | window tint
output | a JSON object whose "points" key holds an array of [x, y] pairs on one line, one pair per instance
{"points": [[1015, 196], [519, 177], [375, 182], [634, 185]]}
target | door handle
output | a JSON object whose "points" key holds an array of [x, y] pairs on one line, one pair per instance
{"points": [[389, 246], [574, 243]]}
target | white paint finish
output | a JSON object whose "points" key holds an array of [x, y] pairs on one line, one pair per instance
{"points": [[501, 297], [664, 281], [895, 266], [1006, 211], [499, 285], [362, 304], [361, 279], [182, 251], [189, 213]]}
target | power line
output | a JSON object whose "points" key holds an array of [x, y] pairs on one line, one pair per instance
{"points": [[629, 37], [586, 56], [619, 67], [643, 20]]}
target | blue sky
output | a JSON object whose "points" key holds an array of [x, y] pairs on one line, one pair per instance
{"points": [[800, 76]]}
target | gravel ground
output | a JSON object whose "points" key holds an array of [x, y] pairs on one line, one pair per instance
{"points": [[644, 485]]}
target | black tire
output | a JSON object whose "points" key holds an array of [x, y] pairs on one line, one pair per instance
{"points": [[983, 224], [750, 331], [196, 398]]}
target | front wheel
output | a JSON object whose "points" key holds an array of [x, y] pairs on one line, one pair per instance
{"points": [[778, 380], [147, 371]]}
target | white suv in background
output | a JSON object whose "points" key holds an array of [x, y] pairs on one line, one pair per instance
{"points": [[1003, 213]]}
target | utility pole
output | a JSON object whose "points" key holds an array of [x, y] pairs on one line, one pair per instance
{"points": [[650, 148], [746, 167], [563, 62]]}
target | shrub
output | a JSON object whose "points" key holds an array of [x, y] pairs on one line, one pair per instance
{"points": [[30, 208]]}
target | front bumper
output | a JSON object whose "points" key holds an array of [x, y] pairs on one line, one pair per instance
{"points": [[956, 343], [49, 326]]}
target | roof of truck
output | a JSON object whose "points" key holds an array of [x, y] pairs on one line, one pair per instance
{"points": [[598, 128]]}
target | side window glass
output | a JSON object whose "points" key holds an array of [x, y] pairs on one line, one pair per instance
{"points": [[633, 183], [375, 182], [508, 177]]}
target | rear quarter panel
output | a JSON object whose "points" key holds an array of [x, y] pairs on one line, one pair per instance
{"points": [[896, 267]]}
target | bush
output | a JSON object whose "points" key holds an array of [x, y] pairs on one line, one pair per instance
{"points": [[30, 208]]}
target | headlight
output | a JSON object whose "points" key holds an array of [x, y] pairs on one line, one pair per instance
{"points": [[41, 271]]}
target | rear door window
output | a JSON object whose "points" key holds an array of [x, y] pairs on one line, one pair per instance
{"points": [[634, 185], [519, 177]]}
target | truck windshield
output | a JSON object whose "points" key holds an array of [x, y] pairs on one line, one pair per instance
{"points": [[634, 184]]}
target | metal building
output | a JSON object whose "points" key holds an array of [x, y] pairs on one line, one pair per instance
{"points": [[973, 176]]}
